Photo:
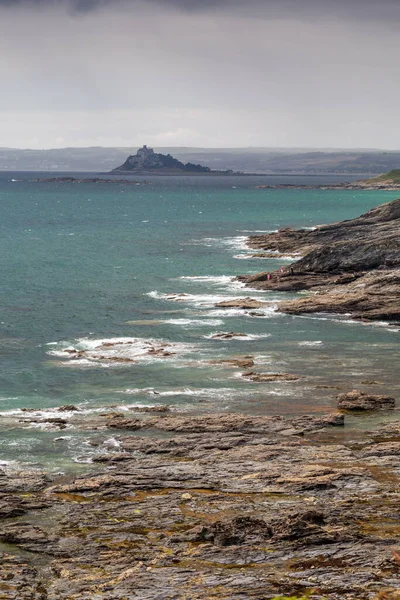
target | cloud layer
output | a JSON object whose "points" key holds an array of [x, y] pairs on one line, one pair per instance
{"points": [[210, 72]]}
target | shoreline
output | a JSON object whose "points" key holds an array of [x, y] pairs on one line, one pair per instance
{"points": [[351, 267], [225, 506]]}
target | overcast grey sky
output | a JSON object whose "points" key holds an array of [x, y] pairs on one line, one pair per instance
{"points": [[321, 73]]}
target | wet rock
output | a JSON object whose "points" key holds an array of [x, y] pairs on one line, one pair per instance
{"points": [[244, 303], [112, 458], [162, 408], [300, 525], [241, 363], [208, 506], [270, 377], [227, 336], [240, 530], [360, 401], [68, 408], [352, 266]]}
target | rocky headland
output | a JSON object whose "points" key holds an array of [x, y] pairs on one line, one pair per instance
{"points": [[210, 506], [351, 267], [388, 181]]}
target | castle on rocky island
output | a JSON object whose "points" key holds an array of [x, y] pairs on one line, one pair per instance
{"points": [[147, 161]]}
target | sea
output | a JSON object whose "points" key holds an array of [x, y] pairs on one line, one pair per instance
{"points": [[108, 302]]}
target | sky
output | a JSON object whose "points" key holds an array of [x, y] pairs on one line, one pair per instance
{"points": [[205, 73]]}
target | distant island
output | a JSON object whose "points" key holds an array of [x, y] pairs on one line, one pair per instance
{"points": [[387, 181], [146, 161]]}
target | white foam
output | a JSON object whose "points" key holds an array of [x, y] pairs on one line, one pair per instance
{"points": [[264, 312], [241, 338], [316, 343], [195, 322], [199, 392], [202, 300], [238, 242], [110, 350]]}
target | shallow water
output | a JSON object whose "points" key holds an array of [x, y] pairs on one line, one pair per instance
{"points": [[102, 269]]}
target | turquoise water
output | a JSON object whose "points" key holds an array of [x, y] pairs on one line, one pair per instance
{"points": [[86, 265]]}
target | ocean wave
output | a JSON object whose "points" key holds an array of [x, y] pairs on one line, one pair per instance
{"points": [[199, 392], [245, 337], [195, 322], [107, 351], [264, 312], [315, 343], [238, 242], [201, 300]]}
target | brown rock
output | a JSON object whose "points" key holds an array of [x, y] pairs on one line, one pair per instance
{"points": [[245, 303], [357, 400], [270, 377]]}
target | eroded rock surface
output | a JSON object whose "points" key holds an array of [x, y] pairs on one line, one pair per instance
{"points": [[351, 267], [225, 506], [357, 400]]}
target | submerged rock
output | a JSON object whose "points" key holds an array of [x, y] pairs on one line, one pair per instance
{"points": [[270, 377]]}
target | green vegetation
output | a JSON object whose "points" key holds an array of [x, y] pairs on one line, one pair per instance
{"points": [[390, 177]]}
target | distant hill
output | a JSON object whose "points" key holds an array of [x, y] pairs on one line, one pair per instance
{"points": [[306, 161], [392, 177], [147, 161]]}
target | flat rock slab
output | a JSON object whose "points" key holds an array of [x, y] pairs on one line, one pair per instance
{"points": [[245, 303], [270, 377], [227, 506]]}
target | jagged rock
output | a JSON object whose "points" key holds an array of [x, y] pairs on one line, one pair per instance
{"points": [[352, 266], [227, 336], [245, 303], [270, 377], [212, 512], [357, 400], [234, 532], [241, 363]]}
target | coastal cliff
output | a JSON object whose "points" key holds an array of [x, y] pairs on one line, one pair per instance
{"points": [[350, 267]]}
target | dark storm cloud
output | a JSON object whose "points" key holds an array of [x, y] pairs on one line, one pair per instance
{"points": [[358, 9]]}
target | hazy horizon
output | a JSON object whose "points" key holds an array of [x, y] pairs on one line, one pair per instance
{"points": [[211, 148]]}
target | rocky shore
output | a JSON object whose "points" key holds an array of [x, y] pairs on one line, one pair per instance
{"points": [[210, 506], [351, 267]]}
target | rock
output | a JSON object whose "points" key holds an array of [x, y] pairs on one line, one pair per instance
{"points": [[240, 530], [67, 408], [352, 266], [244, 303], [357, 400], [227, 336], [161, 408], [270, 377], [222, 505], [241, 363]]}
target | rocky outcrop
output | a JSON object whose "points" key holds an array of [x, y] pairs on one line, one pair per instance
{"points": [[357, 400], [351, 267], [148, 161], [224, 506], [243, 303]]}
